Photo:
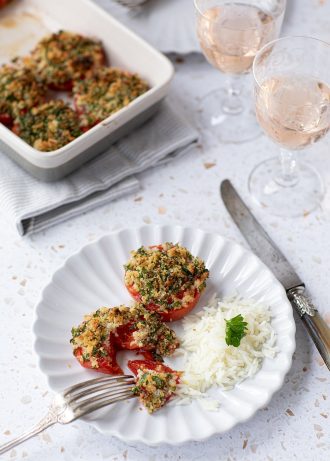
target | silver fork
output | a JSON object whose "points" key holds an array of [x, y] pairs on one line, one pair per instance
{"points": [[77, 401]]}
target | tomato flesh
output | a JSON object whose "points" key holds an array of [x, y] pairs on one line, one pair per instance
{"points": [[172, 315], [124, 337], [136, 365], [107, 365], [122, 340], [6, 119]]}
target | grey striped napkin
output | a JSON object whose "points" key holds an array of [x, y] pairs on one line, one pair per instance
{"points": [[34, 205]]}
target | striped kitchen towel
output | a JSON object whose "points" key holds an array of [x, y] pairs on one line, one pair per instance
{"points": [[33, 205]]}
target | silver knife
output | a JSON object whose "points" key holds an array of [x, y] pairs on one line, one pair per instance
{"points": [[271, 255]]}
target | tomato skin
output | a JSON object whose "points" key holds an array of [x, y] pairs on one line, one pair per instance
{"points": [[135, 294], [135, 365], [178, 314], [15, 129], [170, 316]]}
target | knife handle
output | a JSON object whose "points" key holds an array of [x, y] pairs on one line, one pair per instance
{"points": [[314, 323]]}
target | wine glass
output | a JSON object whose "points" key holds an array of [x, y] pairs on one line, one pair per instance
{"points": [[292, 98], [230, 34]]}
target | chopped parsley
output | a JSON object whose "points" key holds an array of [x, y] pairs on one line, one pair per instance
{"points": [[236, 329]]}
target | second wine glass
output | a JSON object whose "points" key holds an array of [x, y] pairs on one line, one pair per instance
{"points": [[292, 97], [230, 34]]}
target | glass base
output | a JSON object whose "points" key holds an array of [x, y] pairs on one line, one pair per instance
{"points": [[229, 125], [299, 199]]}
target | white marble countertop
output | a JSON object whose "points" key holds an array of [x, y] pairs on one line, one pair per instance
{"points": [[296, 423]]}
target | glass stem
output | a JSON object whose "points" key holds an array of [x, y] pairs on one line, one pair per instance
{"points": [[232, 103], [288, 176]]}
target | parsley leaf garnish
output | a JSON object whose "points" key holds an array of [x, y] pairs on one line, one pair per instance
{"points": [[235, 330]]}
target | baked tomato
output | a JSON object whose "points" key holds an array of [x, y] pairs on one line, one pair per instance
{"points": [[62, 58], [19, 92], [155, 383], [166, 279], [104, 93], [102, 333], [49, 126], [103, 364]]}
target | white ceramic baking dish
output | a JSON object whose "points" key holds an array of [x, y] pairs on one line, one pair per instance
{"points": [[24, 22]]}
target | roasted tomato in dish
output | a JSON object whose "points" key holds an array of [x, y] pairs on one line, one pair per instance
{"points": [[63, 57], [106, 92], [19, 92], [166, 279], [49, 126], [101, 334], [155, 383]]}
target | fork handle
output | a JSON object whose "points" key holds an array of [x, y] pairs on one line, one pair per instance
{"points": [[47, 421]]}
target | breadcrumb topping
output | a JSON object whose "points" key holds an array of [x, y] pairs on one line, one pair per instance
{"points": [[104, 93], [49, 126], [167, 275], [63, 57], [19, 90], [93, 338]]}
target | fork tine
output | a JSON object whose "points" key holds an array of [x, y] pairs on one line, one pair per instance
{"points": [[99, 397], [92, 382], [89, 407], [112, 386]]}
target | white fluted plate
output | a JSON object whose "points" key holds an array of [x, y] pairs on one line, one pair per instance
{"points": [[94, 277]]}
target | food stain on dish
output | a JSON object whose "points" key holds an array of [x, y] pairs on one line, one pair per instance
{"points": [[19, 32], [15, 20], [8, 23]]}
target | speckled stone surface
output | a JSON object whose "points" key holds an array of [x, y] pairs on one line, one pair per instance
{"points": [[296, 423]]}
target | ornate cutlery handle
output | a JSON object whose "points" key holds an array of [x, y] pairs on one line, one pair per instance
{"points": [[314, 323], [48, 420]]}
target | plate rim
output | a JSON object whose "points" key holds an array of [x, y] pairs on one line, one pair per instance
{"points": [[142, 439]]}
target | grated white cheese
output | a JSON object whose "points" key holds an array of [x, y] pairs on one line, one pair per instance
{"points": [[209, 361]]}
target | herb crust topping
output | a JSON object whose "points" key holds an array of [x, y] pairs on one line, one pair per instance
{"points": [[167, 275]]}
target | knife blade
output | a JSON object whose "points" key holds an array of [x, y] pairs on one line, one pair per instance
{"points": [[263, 246]]}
